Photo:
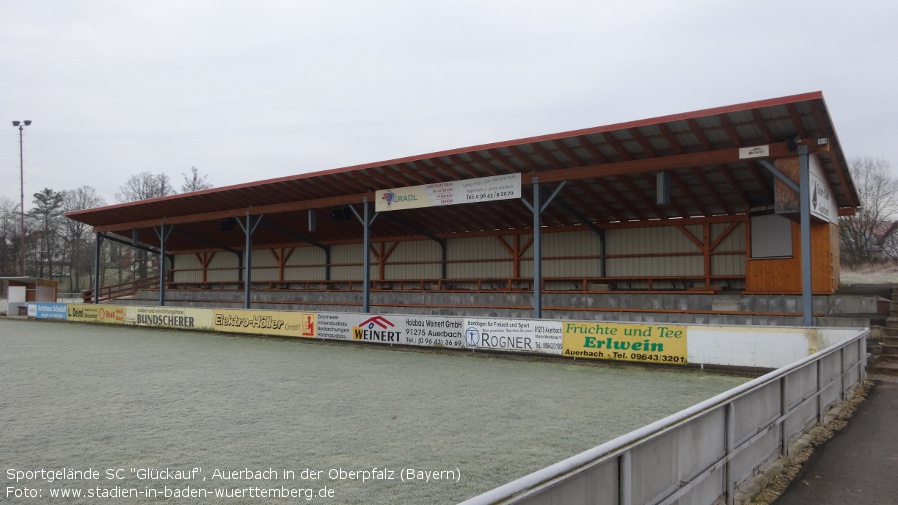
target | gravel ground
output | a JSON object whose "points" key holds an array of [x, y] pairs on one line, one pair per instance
{"points": [[81, 397]]}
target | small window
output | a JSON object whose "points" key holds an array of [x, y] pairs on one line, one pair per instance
{"points": [[771, 237]]}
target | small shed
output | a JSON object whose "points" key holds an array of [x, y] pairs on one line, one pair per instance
{"points": [[21, 290]]}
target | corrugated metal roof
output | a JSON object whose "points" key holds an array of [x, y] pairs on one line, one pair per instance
{"points": [[612, 168]]}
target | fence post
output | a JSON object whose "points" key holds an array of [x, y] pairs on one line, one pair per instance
{"points": [[730, 422], [625, 482]]}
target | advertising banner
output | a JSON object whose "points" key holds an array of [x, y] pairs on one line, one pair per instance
{"points": [[514, 335], [428, 331], [169, 317], [655, 343], [483, 189], [89, 313], [823, 201], [259, 322], [48, 310]]}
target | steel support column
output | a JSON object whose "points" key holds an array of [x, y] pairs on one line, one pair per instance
{"points": [[537, 252], [366, 221], [807, 302], [248, 230], [99, 246], [537, 207], [162, 232], [804, 194]]}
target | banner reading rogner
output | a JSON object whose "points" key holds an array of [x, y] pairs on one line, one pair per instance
{"points": [[655, 343]]}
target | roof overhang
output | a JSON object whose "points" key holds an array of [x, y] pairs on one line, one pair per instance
{"points": [[612, 169]]}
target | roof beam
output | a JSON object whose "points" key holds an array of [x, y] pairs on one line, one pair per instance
{"points": [[293, 234], [597, 172], [703, 178], [242, 211], [609, 190], [520, 155], [201, 240], [638, 196], [598, 201], [796, 118], [413, 174], [762, 125], [456, 158], [567, 151], [699, 134], [547, 155], [743, 196], [414, 228], [730, 129], [689, 160], [422, 167], [618, 147], [684, 189], [452, 170], [591, 149]]}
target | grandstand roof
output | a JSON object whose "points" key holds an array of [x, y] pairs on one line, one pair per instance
{"points": [[610, 169]]}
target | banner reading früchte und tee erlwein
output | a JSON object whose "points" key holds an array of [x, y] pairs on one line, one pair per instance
{"points": [[656, 343]]}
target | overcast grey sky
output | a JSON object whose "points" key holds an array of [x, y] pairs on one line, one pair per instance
{"points": [[250, 90]]}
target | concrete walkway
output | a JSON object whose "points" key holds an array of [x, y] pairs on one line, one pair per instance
{"points": [[859, 465]]}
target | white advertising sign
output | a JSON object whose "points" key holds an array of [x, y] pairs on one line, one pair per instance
{"points": [[823, 202], [514, 335], [426, 331], [754, 152], [484, 189]]}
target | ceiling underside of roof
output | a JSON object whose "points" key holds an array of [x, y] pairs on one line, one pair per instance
{"points": [[610, 173]]}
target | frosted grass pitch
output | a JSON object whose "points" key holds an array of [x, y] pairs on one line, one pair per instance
{"points": [[78, 396]]}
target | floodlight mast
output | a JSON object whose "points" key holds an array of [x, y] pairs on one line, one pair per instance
{"points": [[21, 125]]}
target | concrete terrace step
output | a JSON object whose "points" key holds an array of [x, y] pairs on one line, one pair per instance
{"points": [[885, 367], [777, 310]]}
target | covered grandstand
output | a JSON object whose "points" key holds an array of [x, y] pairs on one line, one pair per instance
{"points": [[735, 201]]}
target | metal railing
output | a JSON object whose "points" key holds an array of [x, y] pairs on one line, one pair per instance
{"points": [[703, 453], [120, 290]]}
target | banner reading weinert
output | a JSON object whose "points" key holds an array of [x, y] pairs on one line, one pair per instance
{"points": [[655, 343]]}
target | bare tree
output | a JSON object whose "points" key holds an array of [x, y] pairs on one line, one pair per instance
{"points": [[78, 243], [9, 237], [861, 235], [194, 181], [143, 186]]}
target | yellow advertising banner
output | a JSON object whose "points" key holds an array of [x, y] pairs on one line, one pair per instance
{"points": [[644, 343], [96, 313], [259, 322], [170, 317]]}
